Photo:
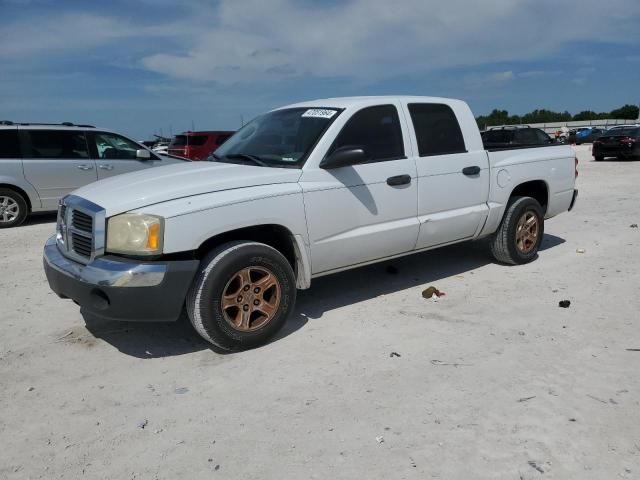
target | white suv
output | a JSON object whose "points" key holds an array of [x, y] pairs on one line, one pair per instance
{"points": [[41, 163]]}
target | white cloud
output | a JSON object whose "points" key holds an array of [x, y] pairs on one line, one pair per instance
{"points": [[73, 31], [477, 81], [244, 41], [374, 39]]}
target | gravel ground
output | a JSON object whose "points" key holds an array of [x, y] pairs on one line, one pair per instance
{"points": [[492, 381]]}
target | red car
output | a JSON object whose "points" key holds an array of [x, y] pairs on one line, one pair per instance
{"points": [[197, 145]]}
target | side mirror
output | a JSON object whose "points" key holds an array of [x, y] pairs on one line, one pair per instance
{"points": [[142, 154], [343, 157]]}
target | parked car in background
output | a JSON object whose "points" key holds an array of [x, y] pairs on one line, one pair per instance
{"points": [[623, 143], [586, 135], [41, 163], [197, 145], [161, 147], [617, 127], [583, 135], [301, 192], [514, 136]]}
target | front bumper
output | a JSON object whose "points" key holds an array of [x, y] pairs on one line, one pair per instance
{"points": [[115, 288]]}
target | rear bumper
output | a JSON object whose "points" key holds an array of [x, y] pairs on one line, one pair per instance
{"points": [[621, 151], [113, 288]]}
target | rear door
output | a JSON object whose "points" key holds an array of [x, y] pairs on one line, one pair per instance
{"points": [[56, 162], [453, 177], [115, 154]]}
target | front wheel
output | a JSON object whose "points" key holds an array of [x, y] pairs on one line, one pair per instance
{"points": [[519, 236], [242, 295]]}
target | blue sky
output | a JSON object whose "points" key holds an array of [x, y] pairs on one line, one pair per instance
{"points": [[142, 66]]}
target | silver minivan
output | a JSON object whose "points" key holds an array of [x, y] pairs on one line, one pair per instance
{"points": [[41, 163]]}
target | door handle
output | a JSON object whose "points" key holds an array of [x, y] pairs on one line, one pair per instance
{"points": [[105, 167], [84, 166], [399, 180], [471, 170]]}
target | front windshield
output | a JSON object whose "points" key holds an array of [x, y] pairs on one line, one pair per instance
{"points": [[282, 138]]}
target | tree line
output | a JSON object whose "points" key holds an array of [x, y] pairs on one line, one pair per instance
{"points": [[502, 117]]}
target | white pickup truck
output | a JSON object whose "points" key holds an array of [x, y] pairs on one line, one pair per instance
{"points": [[302, 191]]}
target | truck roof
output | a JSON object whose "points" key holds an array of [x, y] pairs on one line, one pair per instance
{"points": [[346, 102]]}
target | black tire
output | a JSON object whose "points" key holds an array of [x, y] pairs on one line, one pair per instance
{"points": [[503, 243], [13, 208], [217, 272], [598, 158]]}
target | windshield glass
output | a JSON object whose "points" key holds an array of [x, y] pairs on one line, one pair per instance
{"points": [[282, 138]]}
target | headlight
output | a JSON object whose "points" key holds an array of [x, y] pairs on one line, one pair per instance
{"points": [[135, 234]]}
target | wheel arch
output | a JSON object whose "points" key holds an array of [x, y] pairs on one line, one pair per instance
{"points": [[21, 191], [537, 189], [291, 246]]}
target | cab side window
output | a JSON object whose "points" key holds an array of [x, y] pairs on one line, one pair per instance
{"points": [[376, 130], [110, 146], [54, 144], [526, 136], [9, 145], [437, 129], [543, 137]]}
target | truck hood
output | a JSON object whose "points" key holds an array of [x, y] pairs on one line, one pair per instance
{"points": [[160, 184]]}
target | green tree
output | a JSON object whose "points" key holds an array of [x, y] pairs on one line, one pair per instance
{"points": [[628, 112], [502, 117], [586, 115]]}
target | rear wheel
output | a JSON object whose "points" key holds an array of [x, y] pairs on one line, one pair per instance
{"points": [[242, 296], [13, 208], [520, 233]]}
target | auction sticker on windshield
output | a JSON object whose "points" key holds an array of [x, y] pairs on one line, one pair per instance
{"points": [[319, 113]]}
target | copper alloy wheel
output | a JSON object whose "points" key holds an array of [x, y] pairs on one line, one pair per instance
{"points": [[527, 232], [251, 299]]}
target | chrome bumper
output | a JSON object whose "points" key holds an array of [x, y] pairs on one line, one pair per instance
{"points": [[103, 271]]}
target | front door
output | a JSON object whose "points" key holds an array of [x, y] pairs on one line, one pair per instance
{"points": [[56, 162], [363, 212], [116, 154], [453, 176]]}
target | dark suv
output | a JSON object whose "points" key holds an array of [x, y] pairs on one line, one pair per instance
{"points": [[498, 138], [623, 143], [197, 145]]}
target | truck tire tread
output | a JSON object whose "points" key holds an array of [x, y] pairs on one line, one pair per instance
{"points": [[194, 297], [502, 244]]}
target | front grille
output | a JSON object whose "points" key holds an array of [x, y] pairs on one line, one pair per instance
{"points": [[82, 221], [81, 244], [81, 225]]}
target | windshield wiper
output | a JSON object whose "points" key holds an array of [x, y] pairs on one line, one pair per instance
{"points": [[245, 156], [215, 157]]}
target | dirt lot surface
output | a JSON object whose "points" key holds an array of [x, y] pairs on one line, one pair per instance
{"points": [[492, 381]]}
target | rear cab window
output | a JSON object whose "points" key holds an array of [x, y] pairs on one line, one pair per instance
{"points": [[54, 144], [437, 129]]}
